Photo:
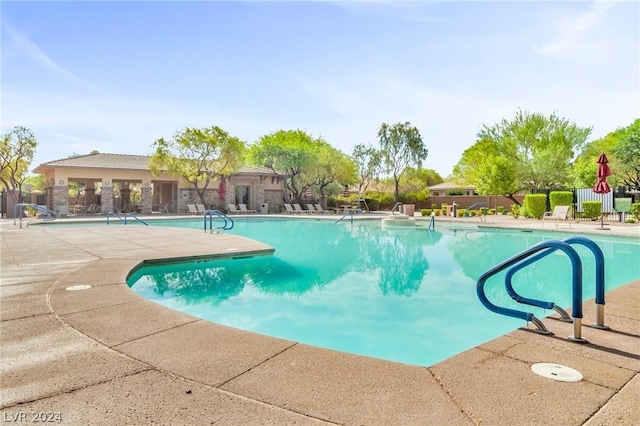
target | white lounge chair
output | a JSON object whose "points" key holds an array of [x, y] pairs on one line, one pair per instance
{"points": [[288, 209], [299, 210], [245, 210], [320, 210], [311, 209], [559, 213], [191, 209], [232, 209], [200, 208]]}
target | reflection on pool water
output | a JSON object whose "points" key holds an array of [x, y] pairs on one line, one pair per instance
{"points": [[396, 294]]}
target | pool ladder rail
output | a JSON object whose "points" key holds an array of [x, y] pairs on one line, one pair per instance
{"points": [[125, 217], [18, 213], [535, 253], [228, 222]]}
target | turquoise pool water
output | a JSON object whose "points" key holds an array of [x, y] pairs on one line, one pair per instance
{"points": [[396, 294]]}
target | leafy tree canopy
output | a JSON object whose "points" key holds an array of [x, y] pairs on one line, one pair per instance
{"points": [[198, 155], [17, 148], [331, 166], [401, 146], [529, 151], [288, 153], [368, 163]]}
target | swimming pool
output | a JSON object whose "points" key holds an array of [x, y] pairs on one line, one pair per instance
{"points": [[406, 295]]}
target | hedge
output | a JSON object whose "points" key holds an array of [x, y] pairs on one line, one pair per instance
{"points": [[535, 204]]}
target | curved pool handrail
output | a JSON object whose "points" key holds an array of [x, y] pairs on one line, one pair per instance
{"points": [[478, 203], [124, 219], [18, 212], [347, 213], [227, 220], [600, 279], [528, 316], [393, 209]]}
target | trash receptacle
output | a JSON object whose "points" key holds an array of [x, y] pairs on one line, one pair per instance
{"points": [[264, 208]]}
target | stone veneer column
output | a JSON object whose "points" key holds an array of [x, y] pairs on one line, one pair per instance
{"points": [[106, 199], [60, 197], [146, 198]]}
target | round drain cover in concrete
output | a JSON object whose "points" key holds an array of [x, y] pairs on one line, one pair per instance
{"points": [[78, 287], [557, 372]]}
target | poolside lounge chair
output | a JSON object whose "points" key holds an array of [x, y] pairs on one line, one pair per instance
{"points": [[299, 210], [311, 209], [200, 208], [559, 213], [245, 210], [164, 209], [191, 209], [289, 209], [232, 209], [320, 210]]}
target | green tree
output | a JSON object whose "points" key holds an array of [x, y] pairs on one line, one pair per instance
{"points": [[198, 155], [401, 146], [16, 153], [627, 155], [527, 152], [289, 154], [332, 166], [368, 162]]}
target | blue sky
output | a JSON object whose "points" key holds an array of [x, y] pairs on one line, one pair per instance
{"points": [[115, 76]]}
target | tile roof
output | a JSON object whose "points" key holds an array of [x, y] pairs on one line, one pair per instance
{"points": [[102, 161], [123, 162]]}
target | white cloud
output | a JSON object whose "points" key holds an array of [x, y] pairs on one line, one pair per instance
{"points": [[21, 46], [581, 32]]}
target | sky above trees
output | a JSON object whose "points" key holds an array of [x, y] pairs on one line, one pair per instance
{"points": [[117, 76]]}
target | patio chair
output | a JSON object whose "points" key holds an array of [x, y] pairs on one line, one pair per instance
{"points": [[191, 209], [299, 210], [559, 213], [320, 210], [231, 208], [245, 210], [201, 209], [288, 209], [311, 209]]}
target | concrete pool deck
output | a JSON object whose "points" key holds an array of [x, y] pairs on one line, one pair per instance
{"points": [[105, 355]]}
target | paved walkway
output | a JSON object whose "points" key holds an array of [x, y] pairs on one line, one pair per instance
{"points": [[106, 356]]}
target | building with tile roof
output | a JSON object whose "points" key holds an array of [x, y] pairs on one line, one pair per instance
{"points": [[123, 183]]}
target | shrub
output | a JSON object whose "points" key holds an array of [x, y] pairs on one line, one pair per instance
{"points": [[501, 209], [443, 206], [560, 198], [373, 204], [425, 212], [622, 205], [535, 204], [491, 212], [459, 212], [437, 212], [473, 213], [635, 210], [592, 209], [515, 211], [433, 206], [629, 220]]}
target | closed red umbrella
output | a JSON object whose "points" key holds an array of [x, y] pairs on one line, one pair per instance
{"points": [[601, 186], [221, 190]]}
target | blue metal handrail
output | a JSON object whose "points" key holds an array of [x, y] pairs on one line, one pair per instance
{"points": [[347, 213], [600, 281], [479, 203], [227, 220], [124, 219], [19, 208], [576, 265], [393, 209]]}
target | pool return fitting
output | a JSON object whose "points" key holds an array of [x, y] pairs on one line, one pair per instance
{"points": [[535, 253]]}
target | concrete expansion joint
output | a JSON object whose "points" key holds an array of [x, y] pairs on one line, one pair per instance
{"points": [[452, 397], [257, 365]]}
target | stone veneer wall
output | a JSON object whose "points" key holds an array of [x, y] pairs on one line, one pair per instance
{"points": [[60, 196], [146, 200]]}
